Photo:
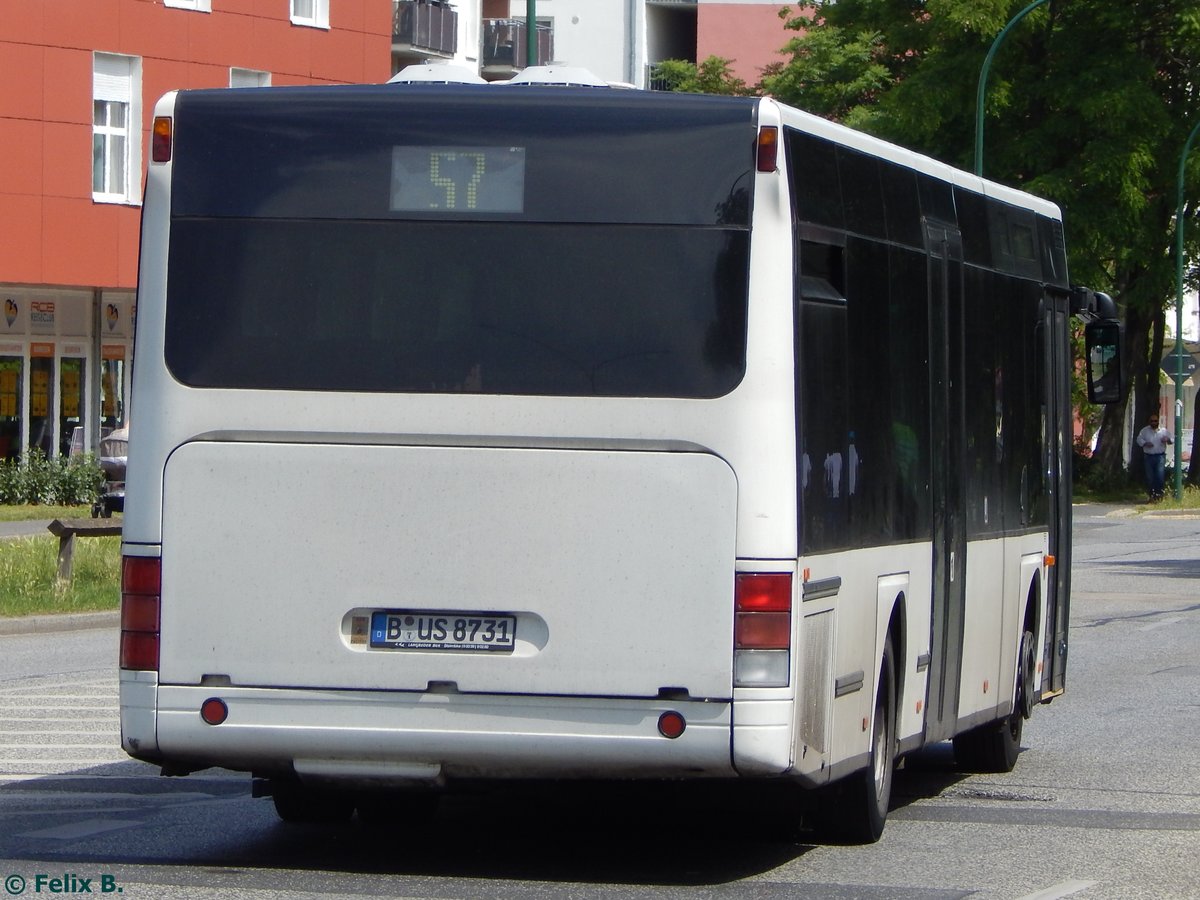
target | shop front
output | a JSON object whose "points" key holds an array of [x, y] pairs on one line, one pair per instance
{"points": [[64, 368]]}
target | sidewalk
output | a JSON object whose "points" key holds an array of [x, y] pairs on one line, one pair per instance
{"points": [[62, 622], [25, 528]]}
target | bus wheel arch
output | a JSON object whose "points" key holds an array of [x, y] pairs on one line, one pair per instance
{"points": [[1025, 696], [897, 631]]}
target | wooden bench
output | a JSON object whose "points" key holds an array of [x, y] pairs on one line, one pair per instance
{"points": [[66, 530]]}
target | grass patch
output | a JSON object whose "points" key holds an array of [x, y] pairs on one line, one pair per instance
{"points": [[30, 512], [29, 568], [1084, 493], [1189, 500], [1135, 496]]}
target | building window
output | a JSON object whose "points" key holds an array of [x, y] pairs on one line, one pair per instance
{"points": [[314, 13], [241, 78], [116, 120], [198, 5]]}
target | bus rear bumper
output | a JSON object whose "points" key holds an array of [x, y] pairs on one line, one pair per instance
{"points": [[377, 738]]}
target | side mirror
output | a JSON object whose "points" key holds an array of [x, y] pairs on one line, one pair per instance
{"points": [[1103, 341]]}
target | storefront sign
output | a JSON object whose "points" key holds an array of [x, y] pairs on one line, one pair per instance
{"points": [[13, 321], [42, 316]]}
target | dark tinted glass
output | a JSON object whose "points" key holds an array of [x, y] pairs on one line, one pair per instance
{"points": [[973, 222], [429, 239], [816, 186], [1014, 236], [984, 424], [937, 199], [1054, 251], [457, 306], [862, 192], [903, 208], [588, 156], [824, 461]]}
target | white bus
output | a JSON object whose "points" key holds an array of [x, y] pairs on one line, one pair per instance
{"points": [[502, 433]]}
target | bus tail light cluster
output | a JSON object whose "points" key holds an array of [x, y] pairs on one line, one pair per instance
{"points": [[762, 633], [141, 600], [768, 148], [161, 137]]}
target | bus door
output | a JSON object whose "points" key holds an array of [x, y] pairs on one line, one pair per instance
{"points": [[943, 244], [1056, 357]]}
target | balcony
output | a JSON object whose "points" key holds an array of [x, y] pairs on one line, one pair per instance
{"points": [[423, 28], [503, 52]]}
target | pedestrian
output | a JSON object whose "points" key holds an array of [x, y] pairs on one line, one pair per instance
{"points": [[1154, 440]]}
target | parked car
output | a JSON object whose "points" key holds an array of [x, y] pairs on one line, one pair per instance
{"points": [[113, 451]]}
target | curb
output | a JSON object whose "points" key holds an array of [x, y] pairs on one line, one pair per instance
{"points": [[69, 622]]}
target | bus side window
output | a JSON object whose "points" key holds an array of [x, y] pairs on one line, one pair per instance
{"points": [[823, 468], [816, 186], [822, 272]]}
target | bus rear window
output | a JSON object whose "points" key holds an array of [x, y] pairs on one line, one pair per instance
{"points": [[440, 241], [616, 310]]}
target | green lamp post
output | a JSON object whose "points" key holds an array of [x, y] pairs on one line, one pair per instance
{"points": [[531, 35], [983, 74]]}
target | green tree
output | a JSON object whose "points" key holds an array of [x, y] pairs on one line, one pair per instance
{"points": [[713, 76], [1088, 105]]}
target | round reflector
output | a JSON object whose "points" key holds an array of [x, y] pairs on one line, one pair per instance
{"points": [[671, 724], [214, 711]]}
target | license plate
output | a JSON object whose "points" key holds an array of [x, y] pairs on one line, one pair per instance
{"points": [[470, 632]]}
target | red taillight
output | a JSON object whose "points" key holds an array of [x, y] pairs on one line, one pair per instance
{"points": [[763, 604], [141, 575], [763, 631], [764, 593], [139, 612], [768, 148], [160, 139], [141, 602]]}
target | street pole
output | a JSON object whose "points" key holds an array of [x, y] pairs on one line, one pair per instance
{"points": [[531, 35], [983, 74], [1179, 317]]}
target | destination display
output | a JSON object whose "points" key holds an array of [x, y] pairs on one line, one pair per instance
{"points": [[458, 179]]}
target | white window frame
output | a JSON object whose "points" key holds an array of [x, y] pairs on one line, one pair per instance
{"points": [[198, 5], [244, 78], [309, 13], [117, 81]]}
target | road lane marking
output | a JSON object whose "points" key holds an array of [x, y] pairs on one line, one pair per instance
{"points": [[1065, 889], [86, 828]]}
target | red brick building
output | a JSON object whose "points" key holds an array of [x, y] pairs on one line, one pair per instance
{"points": [[78, 83], [749, 33]]}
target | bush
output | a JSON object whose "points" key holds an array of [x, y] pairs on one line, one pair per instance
{"points": [[35, 479]]}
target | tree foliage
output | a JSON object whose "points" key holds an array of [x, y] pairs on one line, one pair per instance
{"points": [[1088, 104], [713, 76]]}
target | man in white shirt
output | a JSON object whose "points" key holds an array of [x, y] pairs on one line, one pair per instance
{"points": [[1154, 440]]}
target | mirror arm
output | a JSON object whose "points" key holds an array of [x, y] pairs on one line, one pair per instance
{"points": [[1091, 305]]}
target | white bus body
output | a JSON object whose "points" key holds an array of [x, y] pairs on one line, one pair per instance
{"points": [[315, 448]]}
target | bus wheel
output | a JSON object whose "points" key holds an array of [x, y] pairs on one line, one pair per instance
{"points": [[859, 805], [994, 747], [297, 802]]}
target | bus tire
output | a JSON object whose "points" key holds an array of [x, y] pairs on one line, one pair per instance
{"points": [[859, 805], [300, 803], [994, 747]]}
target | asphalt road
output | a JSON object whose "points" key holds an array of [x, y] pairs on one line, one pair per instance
{"points": [[1104, 802]]}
